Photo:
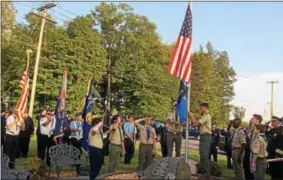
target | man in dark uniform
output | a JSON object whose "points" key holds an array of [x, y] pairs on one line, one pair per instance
{"points": [[275, 148], [4, 116], [163, 140], [214, 143], [227, 146], [25, 135]]}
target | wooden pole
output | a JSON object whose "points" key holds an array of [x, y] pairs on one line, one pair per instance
{"points": [[37, 63], [43, 20], [272, 94]]}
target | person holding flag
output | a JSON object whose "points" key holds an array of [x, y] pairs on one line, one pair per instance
{"points": [[13, 126], [15, 122]]}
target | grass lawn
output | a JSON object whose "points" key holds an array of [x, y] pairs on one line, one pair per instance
{"points": [[193, 154]]}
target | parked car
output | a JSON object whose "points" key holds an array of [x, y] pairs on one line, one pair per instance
{"points": [[193, 132]]}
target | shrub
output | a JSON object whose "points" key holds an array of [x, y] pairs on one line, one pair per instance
{"points": [[215, 169], [37, 168]]}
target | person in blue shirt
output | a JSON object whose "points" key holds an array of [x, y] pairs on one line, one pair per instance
{"points": [[76, 135], [129, 134]]}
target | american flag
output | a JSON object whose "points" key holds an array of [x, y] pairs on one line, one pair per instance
{"points": [[181, 61], [22, 102]]}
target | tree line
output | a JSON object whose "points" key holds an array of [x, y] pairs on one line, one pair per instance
{"points": [[110, 39]]}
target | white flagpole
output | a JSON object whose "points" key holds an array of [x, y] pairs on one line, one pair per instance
{"points": [[187, 126], [188, 110]]}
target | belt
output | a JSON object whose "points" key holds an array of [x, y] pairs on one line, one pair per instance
{"points": [[236, 148], [174, 132], [11, 134], [205, 134], [261, 158], [115, 144], [146, 144]]}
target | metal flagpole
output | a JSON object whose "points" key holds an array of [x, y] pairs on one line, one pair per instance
{"points": [[188, 110], [187, 126]]}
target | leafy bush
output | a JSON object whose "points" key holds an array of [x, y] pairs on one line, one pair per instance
{"points": [[215, 169], [37, 168]]}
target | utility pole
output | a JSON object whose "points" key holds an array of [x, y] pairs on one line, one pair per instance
{"points": [[271, 102], [42, 14]]}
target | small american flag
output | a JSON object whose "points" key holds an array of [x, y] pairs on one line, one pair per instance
{"points": [[22, 102], [181, 61]]}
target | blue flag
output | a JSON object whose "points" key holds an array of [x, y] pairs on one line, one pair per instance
{"points": [[182, 103], [87, 116], [60, 110]]}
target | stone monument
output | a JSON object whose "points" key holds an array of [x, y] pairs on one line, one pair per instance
{"points": [[168, 168]]}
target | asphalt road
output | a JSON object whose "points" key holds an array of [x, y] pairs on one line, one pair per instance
{"points": [[194, 144]]}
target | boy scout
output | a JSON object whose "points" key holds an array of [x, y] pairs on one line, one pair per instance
{"points": [[238, 149], [174, 134], [147, 143], [259, 152], [115, 147], [205, 128]]}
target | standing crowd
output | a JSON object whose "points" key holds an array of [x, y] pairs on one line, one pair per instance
{"points": [[247, 148]]}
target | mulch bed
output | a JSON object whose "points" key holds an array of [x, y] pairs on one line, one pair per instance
{"points": [[133, 176]]}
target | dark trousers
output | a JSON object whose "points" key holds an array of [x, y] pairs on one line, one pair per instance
{"points": [[66, 140], [11, 145], [247, 166], [96, 160], [164, 150], [213, 152], [2, 142], [77, 144], [229, 158], [174, 138], [23, 148], [44, 144], [145, 156], [130, 149], [276, 170]]}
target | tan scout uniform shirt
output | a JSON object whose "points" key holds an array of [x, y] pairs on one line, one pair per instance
{"points": [[174, 128], [116, 136], [259, 147], [205, 124], [239, 138], [95, 139], [143, 134], [254, 135]]}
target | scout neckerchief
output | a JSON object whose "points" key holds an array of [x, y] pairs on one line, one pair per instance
{"points": [[147, 133], [101, 135]]}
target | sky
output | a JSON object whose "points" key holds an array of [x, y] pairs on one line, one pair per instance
{"points": [[251, 33]]}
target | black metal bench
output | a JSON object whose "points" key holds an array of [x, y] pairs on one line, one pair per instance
{"points": [[7, 173], [63, 155]]}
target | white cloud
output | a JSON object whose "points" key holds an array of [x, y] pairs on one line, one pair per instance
{"points": [[254, 94]]}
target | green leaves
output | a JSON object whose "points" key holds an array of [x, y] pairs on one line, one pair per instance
{"points": [[112, 38]]}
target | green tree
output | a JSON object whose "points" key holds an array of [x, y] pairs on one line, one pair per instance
{"points": [[239, 112], [139, 61]]}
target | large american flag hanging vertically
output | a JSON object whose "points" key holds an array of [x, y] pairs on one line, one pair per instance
{"points": [[22, 102], [181, 61]]}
